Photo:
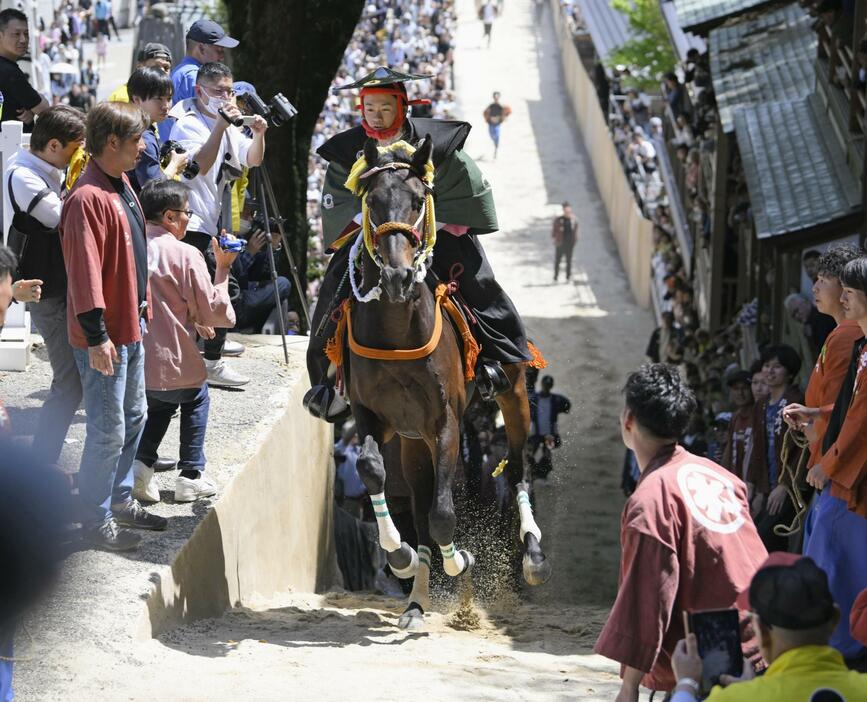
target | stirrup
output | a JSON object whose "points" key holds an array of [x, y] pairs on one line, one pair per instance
{"points": [[491, 379], [323, 403]]}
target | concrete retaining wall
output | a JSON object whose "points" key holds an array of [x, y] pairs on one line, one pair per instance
{"points": [[632, 232], [271, 530]]}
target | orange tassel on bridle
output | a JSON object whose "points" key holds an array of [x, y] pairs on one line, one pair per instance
{"points": [[334, 347]]}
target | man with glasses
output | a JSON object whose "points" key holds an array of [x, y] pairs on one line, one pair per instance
{"points": [[222, 151], [103, 237], [175, 375]]}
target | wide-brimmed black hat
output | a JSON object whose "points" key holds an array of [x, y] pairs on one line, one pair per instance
{"points": [[381, 76]]}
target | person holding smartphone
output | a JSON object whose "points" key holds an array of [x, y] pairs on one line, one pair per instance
{"points": [[686, 535], [175, 374], [793, 614]]}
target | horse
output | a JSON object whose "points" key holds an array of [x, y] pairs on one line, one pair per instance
{"points": [[405, 377]]}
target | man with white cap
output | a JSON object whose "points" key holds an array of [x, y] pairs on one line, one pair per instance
{"points": [[207, 41]]}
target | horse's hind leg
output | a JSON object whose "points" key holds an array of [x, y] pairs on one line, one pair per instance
{"points": [[442, 515], [402, 558], [515, 407], [415, 460]]}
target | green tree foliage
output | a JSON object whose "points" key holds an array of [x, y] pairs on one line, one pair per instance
{"points": [[649, 55], [292, 47]]}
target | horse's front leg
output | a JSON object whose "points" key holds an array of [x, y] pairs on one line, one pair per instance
{"points": [[415, 460], [402, 558], [442, 516], [515, 407]]}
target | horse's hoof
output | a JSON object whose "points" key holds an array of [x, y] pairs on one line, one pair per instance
{"points": [[469, 562], [536, 573], [413, 618]]}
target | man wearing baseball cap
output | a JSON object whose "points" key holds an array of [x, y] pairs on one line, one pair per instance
{"points": [[153, 55], [207, 41], [793, 614]]}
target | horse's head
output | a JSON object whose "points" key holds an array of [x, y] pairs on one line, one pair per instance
{"points": [[395, 204]]}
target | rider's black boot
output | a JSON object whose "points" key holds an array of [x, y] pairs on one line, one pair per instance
{"points": [[491, 379], [324, 403]]}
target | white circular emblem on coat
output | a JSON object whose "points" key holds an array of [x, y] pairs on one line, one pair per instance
{"points": [[328, 201], [711, 498]]}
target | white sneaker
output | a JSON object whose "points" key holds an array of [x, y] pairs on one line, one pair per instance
{"points": [[233, 348], [190, 490], [221, 376], [144, 488]]}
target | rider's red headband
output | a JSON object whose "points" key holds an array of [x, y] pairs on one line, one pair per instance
{"points": [[403, 103]]}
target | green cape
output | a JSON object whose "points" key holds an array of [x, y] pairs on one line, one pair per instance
{"points": [[462, 195]]}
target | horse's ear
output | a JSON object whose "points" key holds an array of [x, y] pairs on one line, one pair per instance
{"points": [[422, 154], [371, 153]]}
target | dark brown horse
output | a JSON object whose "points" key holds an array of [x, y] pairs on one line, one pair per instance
{"points": [[421, 400]]}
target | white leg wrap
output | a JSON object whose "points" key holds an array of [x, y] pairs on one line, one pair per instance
{"points": [[421, 585], [389, 536], [409, 571], [453, 561], [528, 523]]}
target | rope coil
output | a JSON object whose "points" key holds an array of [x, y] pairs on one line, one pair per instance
{"points": [[793, 438]]}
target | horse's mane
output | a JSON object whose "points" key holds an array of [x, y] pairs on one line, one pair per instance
{"points": [[387, 155]]}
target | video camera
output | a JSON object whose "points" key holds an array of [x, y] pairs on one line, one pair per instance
{"points": [[277, 112], [191, 170], [257, 223]]}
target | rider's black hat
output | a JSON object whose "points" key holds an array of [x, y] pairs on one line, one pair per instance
{"points": [[382, 76]]}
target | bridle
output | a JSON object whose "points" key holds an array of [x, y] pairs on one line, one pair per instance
{"points": [[422, 233]]}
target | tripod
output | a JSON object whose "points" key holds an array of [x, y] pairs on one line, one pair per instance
{"points": [[260, 186]]}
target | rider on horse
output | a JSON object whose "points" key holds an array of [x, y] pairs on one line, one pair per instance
{"points": [[464, 208]]}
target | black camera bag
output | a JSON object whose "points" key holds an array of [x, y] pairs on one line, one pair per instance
{"points": [[37, 247]]}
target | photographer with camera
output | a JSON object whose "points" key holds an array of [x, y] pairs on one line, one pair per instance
{"points": [[151, 90], [793, 615], [205, 128], [256, 303]]}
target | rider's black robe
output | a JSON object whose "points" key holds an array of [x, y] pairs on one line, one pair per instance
{"points": [[462, 196]]}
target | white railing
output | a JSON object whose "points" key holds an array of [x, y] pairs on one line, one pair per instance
{"points": [[15, 335]]}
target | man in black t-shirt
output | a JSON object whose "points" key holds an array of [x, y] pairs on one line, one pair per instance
{"points": [[20, 101]]}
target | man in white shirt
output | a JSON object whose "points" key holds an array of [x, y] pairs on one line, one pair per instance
{"points": [[34, 182], [222, 151]]}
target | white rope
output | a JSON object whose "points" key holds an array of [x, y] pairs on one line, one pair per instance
{"points": [[354, 255]]}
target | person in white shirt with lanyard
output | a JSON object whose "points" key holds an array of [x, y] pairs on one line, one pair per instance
{"points": [[33, 189], [222, 151]]}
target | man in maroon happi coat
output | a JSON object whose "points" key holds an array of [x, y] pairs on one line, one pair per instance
{"points": [[687, 539]]}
